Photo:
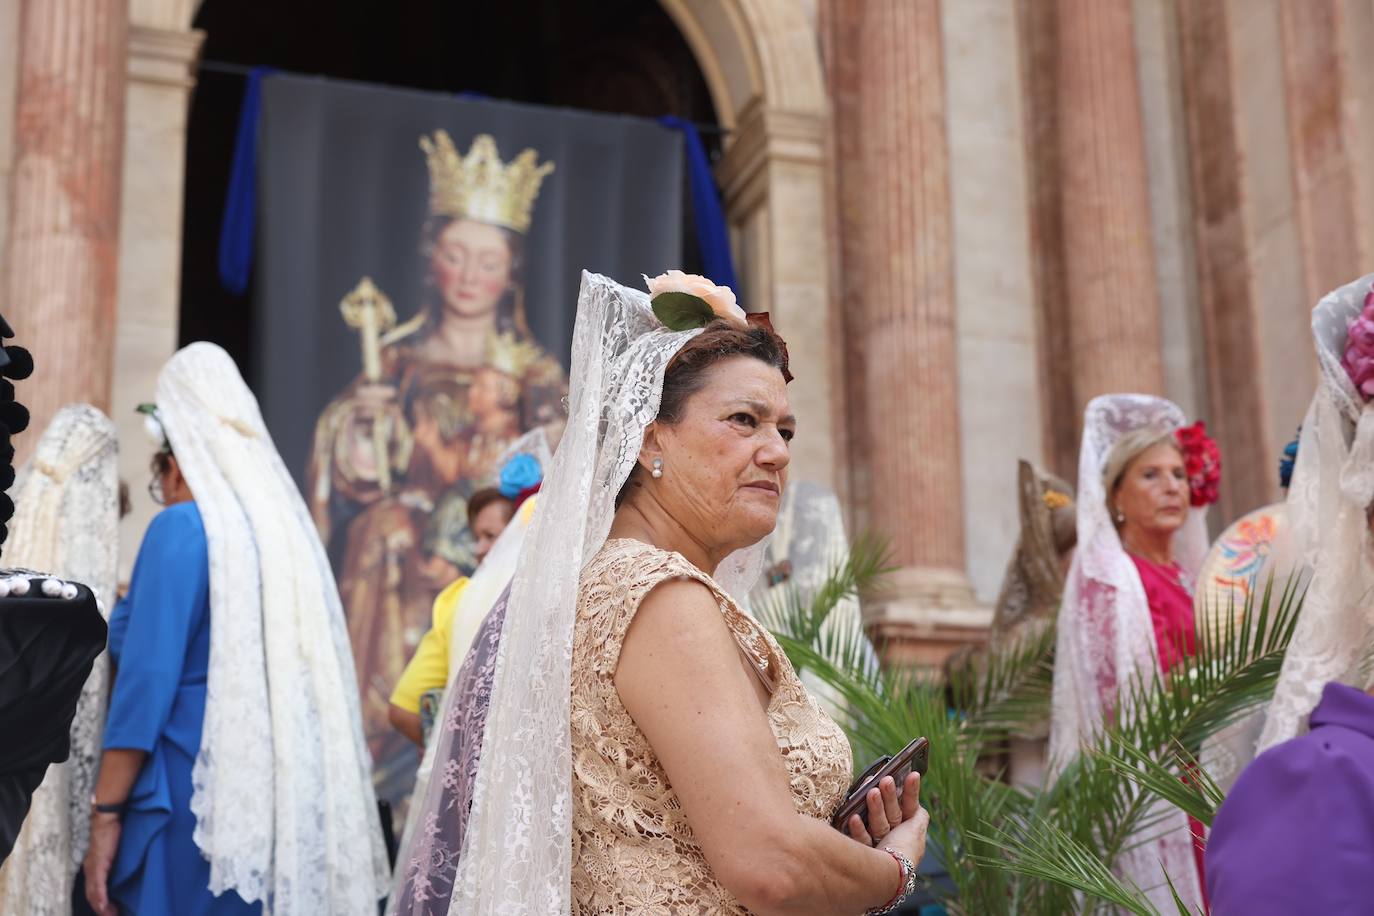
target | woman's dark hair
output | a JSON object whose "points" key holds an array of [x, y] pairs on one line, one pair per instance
{"points": [[510, 311], [689, 370], [687, 373], [480, 500], [161, 461]]}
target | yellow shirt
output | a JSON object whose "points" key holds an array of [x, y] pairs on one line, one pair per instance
{"points": [[428, 667]]}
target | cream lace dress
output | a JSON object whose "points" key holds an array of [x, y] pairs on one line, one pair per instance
{"points": [[633, 850]]}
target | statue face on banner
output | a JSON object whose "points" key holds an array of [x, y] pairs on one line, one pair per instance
{"points": [[471, 268]]}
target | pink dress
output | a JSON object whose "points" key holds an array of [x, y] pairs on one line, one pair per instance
{"points": [[1171, 614], [1171, 610]]}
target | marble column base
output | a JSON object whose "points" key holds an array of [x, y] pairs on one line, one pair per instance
{"points": [[923, 616]]}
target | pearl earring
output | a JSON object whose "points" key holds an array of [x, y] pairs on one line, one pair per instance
{"points": [[1120, 517], [657, 470]]}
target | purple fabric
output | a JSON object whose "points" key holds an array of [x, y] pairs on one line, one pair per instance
{"points": [[1296, 834], [432, 862]]}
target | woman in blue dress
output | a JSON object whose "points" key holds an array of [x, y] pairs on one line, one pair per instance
{"points": [[234, 776], [160, 645]]}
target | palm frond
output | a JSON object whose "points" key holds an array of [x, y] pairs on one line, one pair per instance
{"points": [[1008, 687], [1178, 779], [802, 614], [1010, 850], [1036, 846]]}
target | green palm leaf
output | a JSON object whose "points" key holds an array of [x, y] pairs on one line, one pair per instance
{"points": [[1010, 850]]}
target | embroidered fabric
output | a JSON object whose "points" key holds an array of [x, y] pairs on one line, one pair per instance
{"points": [[1105, 637], [434, 837], [516, 853], [66, 522], [1239, 566], [1332, 488], [633, 850], [283, 797], [473, 640]]}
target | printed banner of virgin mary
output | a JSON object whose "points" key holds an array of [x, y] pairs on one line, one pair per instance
{"points": [[397, 453]]}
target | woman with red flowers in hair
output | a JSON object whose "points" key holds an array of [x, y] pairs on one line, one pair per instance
{"points": [[1127, 607]]}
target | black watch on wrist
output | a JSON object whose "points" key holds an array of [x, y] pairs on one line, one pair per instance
{"points": [[116, 809]]}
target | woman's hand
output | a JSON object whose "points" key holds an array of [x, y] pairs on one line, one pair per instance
{"points": [[105, 831], [897, 822]]}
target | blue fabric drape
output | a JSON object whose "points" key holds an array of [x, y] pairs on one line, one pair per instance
{"points": [[240, 201], [713, 236]]}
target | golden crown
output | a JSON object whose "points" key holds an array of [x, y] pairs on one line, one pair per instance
{"points": [[510, 355], [479, 185]]}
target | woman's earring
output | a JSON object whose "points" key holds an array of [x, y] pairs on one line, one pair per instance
{"points": [[1120, 518], [657, 470]]}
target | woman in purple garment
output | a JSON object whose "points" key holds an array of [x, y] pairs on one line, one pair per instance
{"points": [[1296, 834]]}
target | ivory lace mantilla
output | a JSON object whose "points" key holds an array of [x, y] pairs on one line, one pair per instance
{"points": [[1105, 638], [1333, 486], [66, 523], [285, 810]]}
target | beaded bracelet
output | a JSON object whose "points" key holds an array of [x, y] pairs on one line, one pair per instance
{"points": [[908, 883]]}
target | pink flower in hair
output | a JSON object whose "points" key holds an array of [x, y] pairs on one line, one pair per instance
{"points": [[1358, 360]]}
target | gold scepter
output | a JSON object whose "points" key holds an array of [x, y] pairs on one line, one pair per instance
{"points": [[369, 310]]}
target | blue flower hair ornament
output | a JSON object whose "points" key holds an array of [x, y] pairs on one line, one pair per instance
{"points": [[520, 478], [1289, 461]]}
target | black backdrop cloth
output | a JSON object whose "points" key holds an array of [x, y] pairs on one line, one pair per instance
{"points": [[47, 647]]}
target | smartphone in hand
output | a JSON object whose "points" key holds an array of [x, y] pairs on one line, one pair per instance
{"points": [[914, 757]]}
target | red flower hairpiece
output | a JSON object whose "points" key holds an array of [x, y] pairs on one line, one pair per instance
{"points": [[1202, 460], [1358, 359]]}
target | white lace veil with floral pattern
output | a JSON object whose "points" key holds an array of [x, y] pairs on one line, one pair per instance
{"points": [[283, 797], [1105, 637], [66, 522], [478, 597], [516, 855], [1333, 486]]}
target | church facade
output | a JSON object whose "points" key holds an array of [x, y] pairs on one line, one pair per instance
{"points": [[967, 218]]}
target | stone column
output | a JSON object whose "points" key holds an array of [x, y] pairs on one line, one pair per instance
{"points": [[1259, 360], [1330, 99], [9, 76], [993, 279], [62, 245], [161, 63], [899, 308], [1113, 304]]}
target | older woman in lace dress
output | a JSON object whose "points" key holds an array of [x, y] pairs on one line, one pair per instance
{"points": [[648, 748]]}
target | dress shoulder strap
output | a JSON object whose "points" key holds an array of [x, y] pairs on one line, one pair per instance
{"points": [[623, 574]]}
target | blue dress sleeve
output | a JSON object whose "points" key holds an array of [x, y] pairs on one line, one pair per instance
{"points": [[170, 585]]}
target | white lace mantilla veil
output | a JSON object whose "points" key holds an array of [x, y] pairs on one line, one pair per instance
{"points": [[1333, 483], [283, 798], [517, 851], [66, 522], [478, 597], [497, 569], [1105, 637]]}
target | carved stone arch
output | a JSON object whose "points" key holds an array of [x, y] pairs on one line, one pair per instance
{"points": [[762, 63]]}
